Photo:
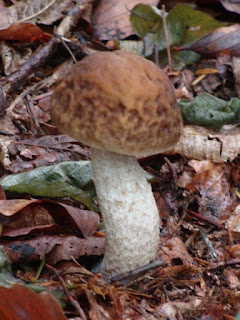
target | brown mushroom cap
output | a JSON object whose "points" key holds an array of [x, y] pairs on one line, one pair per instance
{"points": [[119, 102]]}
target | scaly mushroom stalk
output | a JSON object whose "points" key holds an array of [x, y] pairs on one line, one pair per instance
{"points": [[129, 212]]}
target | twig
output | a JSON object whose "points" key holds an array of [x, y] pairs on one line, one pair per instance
{"points": [[39, 270], [166, 37], [208, 243], [82, 152], [156, 54], [68, 49], [72, 17], [41, 55], [73, 302], [37, 59], [204, 219], [3, 101], [32, 113], [131, 275]]}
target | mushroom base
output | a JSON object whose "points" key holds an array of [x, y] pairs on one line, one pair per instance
{"points": [[129, 212]]}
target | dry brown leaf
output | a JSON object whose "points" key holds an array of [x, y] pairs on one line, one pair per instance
{"points": [[20, 302], [172, 310], [174, 248], [111, 19], [232, 277], [230, 5], [24, 32], [210, 181], [222, 40], [54, 248], [35, 152], [201, 144], [39, 212], [43, 11], [12, 58]]}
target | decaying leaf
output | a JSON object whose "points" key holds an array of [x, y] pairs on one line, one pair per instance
{"points": [[230, 5], [24, 32], [12, 59], [201, 144], [174, 248], [172, 309], [54, 248], [35, 213], [111, 19], [20, 302], [223, 40], [210, 181], [44, 11]]}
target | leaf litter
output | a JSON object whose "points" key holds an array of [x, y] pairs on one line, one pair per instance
{"points": [[58, 233]]}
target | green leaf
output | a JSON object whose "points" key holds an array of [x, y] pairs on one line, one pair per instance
{"points": [[67, 179], [175, 30], [196, 23], [180, 58], [145, 19], [209, 111], [235, 107], [184, 26]]}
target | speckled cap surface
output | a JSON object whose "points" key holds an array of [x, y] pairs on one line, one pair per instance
{"points": [[119, 102]]}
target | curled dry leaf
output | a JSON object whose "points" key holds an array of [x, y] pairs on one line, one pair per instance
{"points": [[203, 144], [210, 181], [43, 11], [12, 58], [111, 18], [225, 40], [72, 218], [171, 310], [20, 302], [230, 5], [54, 248], [24, 32], [174, 248]]}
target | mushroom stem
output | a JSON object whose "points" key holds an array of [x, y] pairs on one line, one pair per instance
{"points": [[129, 212]]}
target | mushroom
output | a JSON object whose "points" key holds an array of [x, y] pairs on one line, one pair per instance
{"points": [[124, 107]]}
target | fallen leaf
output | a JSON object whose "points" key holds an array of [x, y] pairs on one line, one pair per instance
{"points": [[230, 5], [111, 18], [41, 11], [210, 181], [54, 248], [12, 58], [66, 179], [223, 40], [174, 248], [20, 302], [24, 32], [201, 144], [210, 111], [32, 213]]}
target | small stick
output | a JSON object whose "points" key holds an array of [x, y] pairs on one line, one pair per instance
{"points": [[209, 244], [200, 217], [170, 63], [37, 59], [31, 111], [68, 49], [130, 275], [156, 54], [82, 152], [3, 101], [73, 302]]}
